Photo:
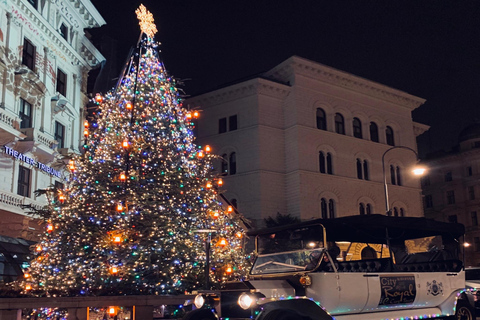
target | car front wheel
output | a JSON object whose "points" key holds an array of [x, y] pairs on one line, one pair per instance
{"points": [[464, 311]]}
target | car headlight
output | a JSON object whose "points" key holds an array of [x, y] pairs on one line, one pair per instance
{"points": [[246, 300], [199, 301]]}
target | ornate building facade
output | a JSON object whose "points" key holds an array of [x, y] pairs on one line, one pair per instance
{"points": [[45, 57], [308, 140], [451, 189]]}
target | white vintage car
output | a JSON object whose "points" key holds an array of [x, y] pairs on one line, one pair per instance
{"points": [[370, 267]]}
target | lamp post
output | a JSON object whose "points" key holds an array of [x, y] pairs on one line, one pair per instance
{"points": [[417, 171], [207, 254]]}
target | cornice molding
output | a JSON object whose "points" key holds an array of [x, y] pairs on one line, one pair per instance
{"points": [[47, 31], [88, 12], [296, 65], [241, 90]]}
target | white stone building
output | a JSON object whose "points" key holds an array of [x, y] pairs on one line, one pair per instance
{"points": [[306, 139], [452, 188], [44, 60]]}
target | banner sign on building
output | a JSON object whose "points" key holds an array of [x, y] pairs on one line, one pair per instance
{"points": [[20, 156]]}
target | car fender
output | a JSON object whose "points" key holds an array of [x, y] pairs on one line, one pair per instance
{"points": [[303, 306]]}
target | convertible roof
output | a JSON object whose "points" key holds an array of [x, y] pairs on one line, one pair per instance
{"points": [[370, 229]]}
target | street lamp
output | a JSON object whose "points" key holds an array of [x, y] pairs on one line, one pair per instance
{"points": [[418, 171], [207, 256]]}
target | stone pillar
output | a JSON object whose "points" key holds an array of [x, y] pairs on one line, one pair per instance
{"points": [[141, 313], [15, 314], [77, 313]]}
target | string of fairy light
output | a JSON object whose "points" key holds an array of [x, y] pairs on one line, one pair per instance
{"points": [[126, 220]]}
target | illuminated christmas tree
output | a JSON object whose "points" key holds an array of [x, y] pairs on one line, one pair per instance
{"points": [[133, 217]]}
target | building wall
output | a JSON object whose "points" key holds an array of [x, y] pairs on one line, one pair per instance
{"points": [[39, 41], [463, 166], [277, 142]]}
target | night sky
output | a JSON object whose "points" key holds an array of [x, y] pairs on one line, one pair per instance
{"points": [[430, 49]]}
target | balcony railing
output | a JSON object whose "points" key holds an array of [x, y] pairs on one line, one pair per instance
{"points": [[38, 136], [17, 202]]}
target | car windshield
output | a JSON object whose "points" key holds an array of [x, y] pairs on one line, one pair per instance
{"points": [[292, 261]]}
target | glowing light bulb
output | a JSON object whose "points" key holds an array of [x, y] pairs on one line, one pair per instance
{"points": [[222, 242], [229, 209], [229, 270], [119, 207], [209, 185], [196, 114], [98, 97], [39, 248], [61, 198], [125, 143], [220, 182], [239, 235], [113, 270], [71, 165], [200, 154], [123, 177], [215, 215], [129, 105], [85, 124], [50, 227], [85, 132], [28, 287], [207, 149], [111, 311], [26, 275], [117, 239], [189, 115]]}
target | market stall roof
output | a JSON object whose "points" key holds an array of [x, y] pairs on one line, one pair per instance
{"points": [[369, 229]]}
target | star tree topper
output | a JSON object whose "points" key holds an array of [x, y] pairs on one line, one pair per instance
{"points": [[146, 23]]}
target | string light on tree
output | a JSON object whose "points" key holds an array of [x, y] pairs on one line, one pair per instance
{"points": [[126, 221]]}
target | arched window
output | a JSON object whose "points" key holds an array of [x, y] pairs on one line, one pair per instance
{"points": [[339, 123], [329, 163], [357, 128], [359, 169], [331, 208], [233, 163], [321, 119], [373, 132], [361, 208], [389, 136], [224, 165], [325, 162], [234, 203], [369, 208], [323, 208], [368, 253], [395, 212], [321, 161], [402, 212], [399, 176], [392, 175], [365, 170]]}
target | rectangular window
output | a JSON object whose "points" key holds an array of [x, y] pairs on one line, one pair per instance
{"points": [[452, 218], [61, 82], [64, 31], [25, 114], [473, 214], [222, 125], [23, 181], [469, 171], [471, 193], [232, 123], [58, 185], [448, 176], [33, 3], [28, 55], [426, 181], [60, 134], [450, 197], [476, 244], [428, 201]]}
